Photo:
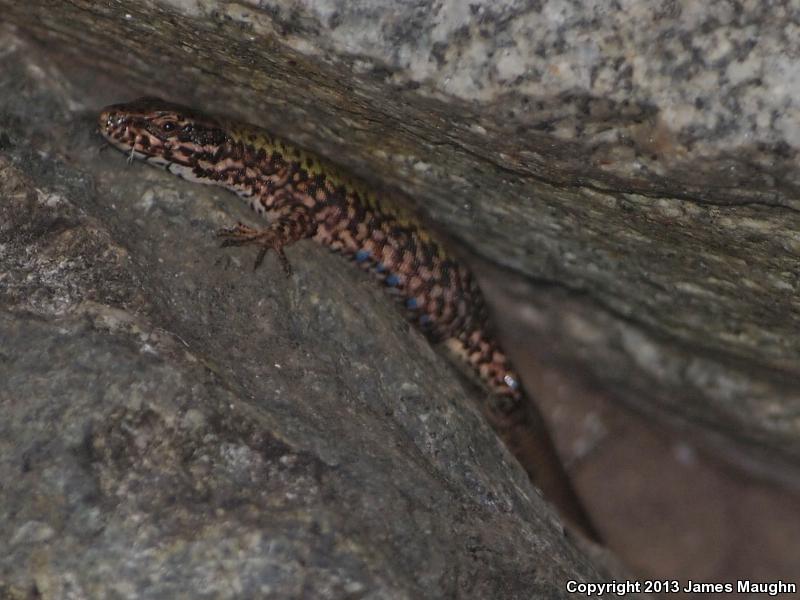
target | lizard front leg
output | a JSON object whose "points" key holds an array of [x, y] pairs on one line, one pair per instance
{"points": [[294, 222]]}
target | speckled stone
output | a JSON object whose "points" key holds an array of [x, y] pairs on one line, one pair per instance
{"points": [[642, 157], [175, 426], [645, 90]]}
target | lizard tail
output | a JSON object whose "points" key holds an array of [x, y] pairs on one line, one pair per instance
{"points": [[517, 421]]}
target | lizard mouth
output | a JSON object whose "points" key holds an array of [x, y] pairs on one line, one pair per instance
{"points": [[136, 137]]}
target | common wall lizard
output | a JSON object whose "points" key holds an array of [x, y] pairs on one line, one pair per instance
{"points": [[309, 198]]}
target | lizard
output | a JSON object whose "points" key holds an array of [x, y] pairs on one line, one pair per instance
{"points": [[304, 196]]}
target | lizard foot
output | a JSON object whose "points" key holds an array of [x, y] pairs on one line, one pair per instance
{"points": [[267, 239]]}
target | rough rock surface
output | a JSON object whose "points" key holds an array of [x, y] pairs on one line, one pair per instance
{"points": [[639, 158], [177, 426], [642, 155]]}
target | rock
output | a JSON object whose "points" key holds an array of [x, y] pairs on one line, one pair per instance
{"points": [[637, 161], [177, 425], [643, 156]]}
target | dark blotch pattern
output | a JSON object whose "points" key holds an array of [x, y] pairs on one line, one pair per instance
{"points": [[438, 293]]}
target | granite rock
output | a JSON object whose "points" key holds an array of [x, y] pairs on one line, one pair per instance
{"points": [[639, 159], [177, 426]]}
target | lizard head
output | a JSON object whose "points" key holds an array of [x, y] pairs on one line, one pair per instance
{"points": [[161, 132]]}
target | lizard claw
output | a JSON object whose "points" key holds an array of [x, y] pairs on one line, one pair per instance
{"points": [[242, 235], [238, 235]]}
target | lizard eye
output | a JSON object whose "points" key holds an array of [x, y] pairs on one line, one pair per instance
{"points": [[168, 126]]}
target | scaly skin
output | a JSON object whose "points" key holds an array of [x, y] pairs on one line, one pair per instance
{"points": [[309, 199]]}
